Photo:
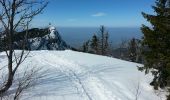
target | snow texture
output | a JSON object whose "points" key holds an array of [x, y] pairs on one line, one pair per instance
{"points": [[74, 75]]}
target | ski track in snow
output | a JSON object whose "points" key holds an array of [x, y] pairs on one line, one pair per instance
{"points": [[71, 75], [91, 88]]}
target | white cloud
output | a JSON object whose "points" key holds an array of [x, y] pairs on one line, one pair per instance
{"points": [[100, 14]]}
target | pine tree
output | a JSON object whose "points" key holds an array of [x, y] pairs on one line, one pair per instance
{"points": [[1, 49], [132, 48], [156, 41], [86, 46], [103, 40], [98, 44], [95, 44], [106, 43]]}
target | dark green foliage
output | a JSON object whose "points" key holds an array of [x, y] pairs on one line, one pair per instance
{"points": [[103, 36], [95, 44], [85, 46], [106, 43], [132, 50], [156, 41], [168, 97], [31, 33], [1, 45], [99, 44], [20, 36]]}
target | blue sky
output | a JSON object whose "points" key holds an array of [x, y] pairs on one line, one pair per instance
{"points": [[93, 13]]}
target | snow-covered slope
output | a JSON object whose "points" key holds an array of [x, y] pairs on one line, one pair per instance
{"points": [[73, 75]]}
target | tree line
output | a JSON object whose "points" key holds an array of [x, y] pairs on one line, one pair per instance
{"points": [[100, 44], [153, 50]]}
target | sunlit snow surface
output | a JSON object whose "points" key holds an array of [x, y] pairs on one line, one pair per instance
{"points": [[73, 75]]}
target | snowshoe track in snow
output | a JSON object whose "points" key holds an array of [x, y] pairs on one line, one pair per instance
{"points": [[89, 86], [71, 75]]}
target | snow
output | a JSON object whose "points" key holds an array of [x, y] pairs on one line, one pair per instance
{"points": [[51, 41], [52, 32], [71, 75]]}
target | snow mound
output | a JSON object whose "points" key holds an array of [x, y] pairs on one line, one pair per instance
{"points": [[74, 75], [52, 32]]}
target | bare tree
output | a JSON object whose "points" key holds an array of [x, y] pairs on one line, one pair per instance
{"points": [[28, 79], [23, 81], [16, 15]]}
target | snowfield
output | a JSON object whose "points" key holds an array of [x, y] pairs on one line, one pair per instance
{"points": [[70, 75]]}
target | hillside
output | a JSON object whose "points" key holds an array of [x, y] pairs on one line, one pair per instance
{"points": [[71, 75]]}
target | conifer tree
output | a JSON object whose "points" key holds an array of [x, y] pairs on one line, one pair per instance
{"points": [[95, 44], [132, 48], [98, 44], [103, 40], [106, 43], [86, 46], [156, 42]]}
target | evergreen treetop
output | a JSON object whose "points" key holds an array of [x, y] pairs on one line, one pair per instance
{"points": [[156, 42]]}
